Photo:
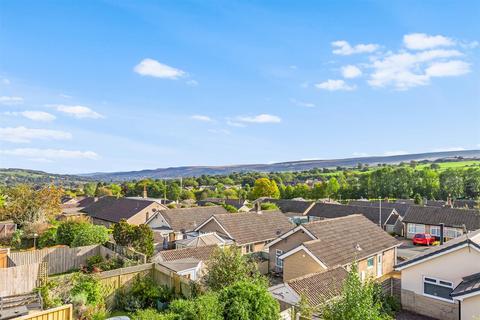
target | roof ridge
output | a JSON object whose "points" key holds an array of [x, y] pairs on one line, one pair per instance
{"points": [[309, 275], [334, 219]]}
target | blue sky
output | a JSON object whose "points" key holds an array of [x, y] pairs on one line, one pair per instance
{"points": [[89, 86]]}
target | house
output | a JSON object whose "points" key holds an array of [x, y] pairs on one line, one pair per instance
{"points": [[444, 281], [326, 244], [318, 288], [294, 209], [400, 207], [388, 218], [188, 262], [202, 240], [419, 219], [175, 224], [108, 210], [72, 207], [249, 230]]}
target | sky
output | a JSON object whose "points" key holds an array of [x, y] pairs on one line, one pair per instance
{"points": [[96, 86]]}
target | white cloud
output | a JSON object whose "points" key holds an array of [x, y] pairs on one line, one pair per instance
{"points": [[361, 154], [404, 70], [343, 48], [34, 115], [395, 153], [153, 68], [446, 149], [79, 112], [351, 71], [199, 117], [49, 154], [302, 103], [334, 85], [261, 118], [25, 135], [422, 41], [235, 124], [192, 83], [448, 69], [65, 96], [10, 100]]}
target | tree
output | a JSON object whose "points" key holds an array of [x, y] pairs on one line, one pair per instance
{"points": [[451, 183], [227, 265], [123, 233], [357, 302], [90, 234], [25, 205], [417, 199], [332, 187], [265, 187], [89, 189], [139, 237], [249, 300]]}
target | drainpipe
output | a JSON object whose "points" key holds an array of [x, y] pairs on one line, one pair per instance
{"points": [[442, 227]]}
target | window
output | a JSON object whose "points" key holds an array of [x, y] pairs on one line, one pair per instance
{"points": [[438, 289], [452, 233], [370, 262], [435, 231], [416, 228], [278, 261], [249, 248]]}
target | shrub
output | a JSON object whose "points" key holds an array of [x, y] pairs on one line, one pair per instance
{"points": [[16, 241], [68, 230], [48, 238], [139, 237], [151, 314], [88, 286], [268, 206], [49, 300], [143, 293], [230, 208], [90, 234]]}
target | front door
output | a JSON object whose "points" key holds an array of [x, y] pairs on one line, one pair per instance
{"points": [[379, 265]]}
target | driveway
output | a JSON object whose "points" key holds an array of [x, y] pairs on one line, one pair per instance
{"points": [[405, 315], [407, 250]]}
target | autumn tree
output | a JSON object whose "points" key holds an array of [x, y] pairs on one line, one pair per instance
{"points": [[265, 187]]}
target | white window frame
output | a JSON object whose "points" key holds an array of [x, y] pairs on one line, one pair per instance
{"points": [[373, 262], [249, 248], [457, 232], [417, 228], [437, 282], [437, 231], [278, 261]]}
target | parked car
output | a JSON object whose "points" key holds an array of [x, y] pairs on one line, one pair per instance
{"points": [[423, 239]]}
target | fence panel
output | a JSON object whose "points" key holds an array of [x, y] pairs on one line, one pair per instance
{"points": [[59, 259], [19, 279], [60, 313]]}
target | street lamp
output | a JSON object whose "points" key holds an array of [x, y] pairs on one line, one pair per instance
{"points": [[35, 235]]}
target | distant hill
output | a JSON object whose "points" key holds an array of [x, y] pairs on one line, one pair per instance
{"points": [[15, 176], [195, 171]]}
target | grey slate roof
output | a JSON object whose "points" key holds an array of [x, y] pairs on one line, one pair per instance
{"points": [[320, 287], [114, 209], [291, 206], [450, 217], [433, 251], [468, 285], [401, 208], [187, 219], [340, 241], [329, 211], [250, 227]]}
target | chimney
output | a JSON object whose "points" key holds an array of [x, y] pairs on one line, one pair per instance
{"points": [[442, 227], [145, 192]]}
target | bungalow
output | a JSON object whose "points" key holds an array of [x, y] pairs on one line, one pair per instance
{"points": [[420, 219], [201, 240], [72, 207], [388, 218], [323, 245], [294, 209], [188, 262], [318, 288], [249, 230], [239, 204], [444, 281], [175, 224], [108, 210]]}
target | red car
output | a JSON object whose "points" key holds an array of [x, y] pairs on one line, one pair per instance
{"points": [[423, 238]]}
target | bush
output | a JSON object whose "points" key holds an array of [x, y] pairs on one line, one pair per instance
{"points": [[230, 208], [16, 241], [90, 234], [49, 301], [89, 286], [269, 206], [151, 314], [68, 230], [48, 238], [143, 293]]}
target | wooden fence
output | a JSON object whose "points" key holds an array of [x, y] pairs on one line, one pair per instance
{"points": [[19, 279], [59, 259], [60, 313]]}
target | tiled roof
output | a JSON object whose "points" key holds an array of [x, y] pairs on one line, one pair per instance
{"points": [[181, 264], [187, 219], [250, 227], [114, 209], [471, 204], [201, 241], [468, 285], [296, 206], [329, 211], [320, 287], [449, 245], [401, 208], [340, 241], [200, 253], [450, 217]]}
